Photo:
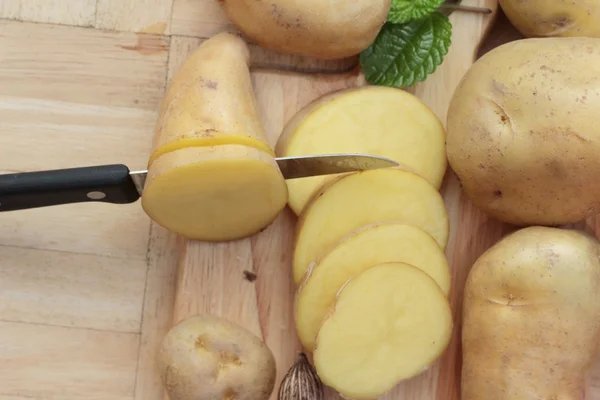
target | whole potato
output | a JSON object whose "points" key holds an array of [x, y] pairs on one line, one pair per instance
{"points": [[554, 18], [327, 30], [531, 318], [210, 358], [523, 131]]}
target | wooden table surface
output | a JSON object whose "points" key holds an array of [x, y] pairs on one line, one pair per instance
{"points": [[87, 291]]}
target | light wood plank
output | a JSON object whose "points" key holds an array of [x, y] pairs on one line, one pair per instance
{"points": [[151, 16], [89, 228], [40, 287], [10, 9], [158, 310], [66, 12], [199, 18], [55, 363]]}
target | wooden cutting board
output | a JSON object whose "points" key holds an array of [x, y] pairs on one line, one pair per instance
{"points": [[250, 282]]}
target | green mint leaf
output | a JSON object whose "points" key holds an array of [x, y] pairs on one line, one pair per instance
{"points": [[404, 54], [404, 11]]}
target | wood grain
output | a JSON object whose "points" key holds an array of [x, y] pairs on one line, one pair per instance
{"points": [[158, 310], [199, 18], [66, 363], [85, 228], [66, 12], [150, 16], [40, 287]]}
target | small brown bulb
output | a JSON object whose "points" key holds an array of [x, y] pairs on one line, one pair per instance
{"points": [[301, 382]]}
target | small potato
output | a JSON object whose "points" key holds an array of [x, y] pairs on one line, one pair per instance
{"points": [[554, 18], [326, 30], [210, 358], [523, 131], [531, 318]]}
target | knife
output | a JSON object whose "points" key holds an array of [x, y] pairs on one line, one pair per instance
{"points": [[118, 185]]}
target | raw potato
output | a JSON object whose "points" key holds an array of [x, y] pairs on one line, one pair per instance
{"points": [[215, 193], [210, 101], [367, 247], [554, 18], [327, 30], [524, 131], [377, 120], [531, 322], [364, 198], [388, 324], [210, 358]]}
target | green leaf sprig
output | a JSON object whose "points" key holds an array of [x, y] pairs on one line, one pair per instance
{"points": [[410, 46]]}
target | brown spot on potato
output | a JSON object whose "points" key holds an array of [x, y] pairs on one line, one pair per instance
{"points": [[555, 168], [561, 21], [498, 193], [201, 342], [229, 394], [211, 84], [208, 133]]}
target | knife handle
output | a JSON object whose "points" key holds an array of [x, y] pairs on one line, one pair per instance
{"points": [[104, 183]]}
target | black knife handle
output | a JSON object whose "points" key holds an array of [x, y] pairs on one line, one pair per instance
{"points": [[104, 183]]}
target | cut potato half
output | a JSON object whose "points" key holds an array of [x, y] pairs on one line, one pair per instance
{"points": [[374, 245], [389, 323], [364, 198], [214, 193], [377, 120]]}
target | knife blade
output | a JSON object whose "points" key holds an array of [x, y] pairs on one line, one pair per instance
{"points": [[118, 185]]}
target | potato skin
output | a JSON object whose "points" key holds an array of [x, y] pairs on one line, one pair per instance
{"points": [[554, 18], [531, 318], [313, 28], [210, 358], [523, 131]]}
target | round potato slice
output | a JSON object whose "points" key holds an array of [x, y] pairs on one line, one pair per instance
{"points": [[374, 245], [388, 324], [365, 198], [215, 193], [383, 121]]}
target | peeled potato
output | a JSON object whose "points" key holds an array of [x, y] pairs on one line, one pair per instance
{"points": [[388, 324], [210, 101], [210, 358], [374, 245], [377, 120], [364, 198], [214, 193]]}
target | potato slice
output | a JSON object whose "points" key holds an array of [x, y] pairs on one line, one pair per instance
{"points": [[363, 249], [210, 101], [378, 120], [214, 193], [364, 198], [388, 324]]}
